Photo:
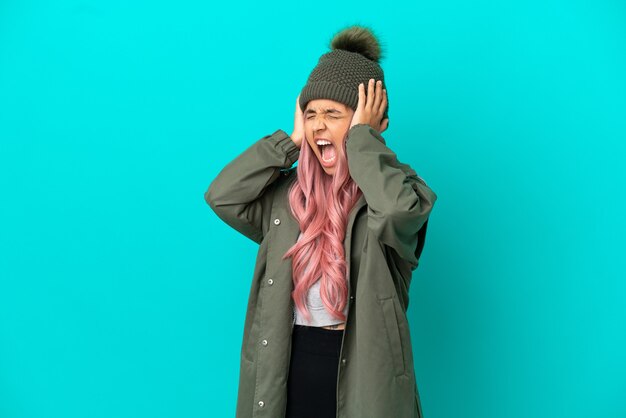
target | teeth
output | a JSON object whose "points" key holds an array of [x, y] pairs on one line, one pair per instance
{"points": [[323, 142]]}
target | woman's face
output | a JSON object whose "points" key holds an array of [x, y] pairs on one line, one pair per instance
{"points": [[326, 121]]}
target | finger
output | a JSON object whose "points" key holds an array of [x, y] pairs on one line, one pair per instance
{"points": [[361, 103], [377, 96], [384, 125], [370, 94], [383, 102]]}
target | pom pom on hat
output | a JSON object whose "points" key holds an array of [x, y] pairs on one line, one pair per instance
{"points": [[358, 39]]}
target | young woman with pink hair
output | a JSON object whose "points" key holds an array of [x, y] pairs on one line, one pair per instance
{"points": [[326, 333]]}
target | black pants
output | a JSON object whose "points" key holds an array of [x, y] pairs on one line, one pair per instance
{"points": [[312, 384]]}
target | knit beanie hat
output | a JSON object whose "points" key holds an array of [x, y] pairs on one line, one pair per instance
{"points": [[353, 59]]}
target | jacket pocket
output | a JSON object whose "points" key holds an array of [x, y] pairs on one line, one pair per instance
{"points": [[396, 351]]}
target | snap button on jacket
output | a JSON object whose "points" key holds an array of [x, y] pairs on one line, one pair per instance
{"points": [[384, 239]]}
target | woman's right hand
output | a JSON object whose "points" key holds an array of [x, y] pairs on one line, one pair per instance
{"points": [[298, 125]]}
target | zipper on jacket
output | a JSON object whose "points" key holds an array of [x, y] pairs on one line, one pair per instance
{"points": [[290, 339], [343, 336]]}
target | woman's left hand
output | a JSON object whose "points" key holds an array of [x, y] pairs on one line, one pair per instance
{"points": [[371, 108]]}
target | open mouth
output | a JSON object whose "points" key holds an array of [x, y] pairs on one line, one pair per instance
{"points": [[328, 151]]}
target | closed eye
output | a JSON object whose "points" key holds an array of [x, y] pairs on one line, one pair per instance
{"points": [[330, 116]]}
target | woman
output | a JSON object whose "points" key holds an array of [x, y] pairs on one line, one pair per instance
{"points": [[326, 333]]}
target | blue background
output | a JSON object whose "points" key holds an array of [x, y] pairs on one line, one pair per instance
{"points": [[123, 295]]}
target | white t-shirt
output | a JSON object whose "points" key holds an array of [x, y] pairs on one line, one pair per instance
{"points": [[319, 315]]}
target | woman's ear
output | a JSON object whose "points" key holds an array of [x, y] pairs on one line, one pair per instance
{"points": [[384, 125]]}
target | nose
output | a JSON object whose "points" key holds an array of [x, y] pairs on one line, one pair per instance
{"points": [[318, 124]]}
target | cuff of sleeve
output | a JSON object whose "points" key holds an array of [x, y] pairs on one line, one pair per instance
{"points": [[354, 127], [287, 145], [361, 129]]}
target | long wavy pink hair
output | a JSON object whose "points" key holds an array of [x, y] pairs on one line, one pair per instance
{"points": [[321, 205]]}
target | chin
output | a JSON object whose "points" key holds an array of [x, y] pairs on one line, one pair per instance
{"points": [[329, 171]]}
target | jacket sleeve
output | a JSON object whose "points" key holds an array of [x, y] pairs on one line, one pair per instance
{"points": [[241, 194], [399, 201]]}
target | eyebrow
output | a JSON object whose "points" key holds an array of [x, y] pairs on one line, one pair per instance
{"points": [[328, 110]]}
